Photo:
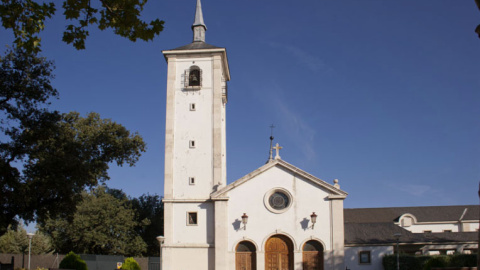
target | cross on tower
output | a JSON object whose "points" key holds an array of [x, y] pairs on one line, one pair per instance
{"points": [[277, 148]]}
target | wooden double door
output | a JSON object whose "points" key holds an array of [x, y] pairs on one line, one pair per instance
{"points": [[245, 257], [313, 255], [279, 253]]}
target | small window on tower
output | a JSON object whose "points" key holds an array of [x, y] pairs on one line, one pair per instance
{"points": [[192, 218], [191, 180], [192, 107], [192, 144]]}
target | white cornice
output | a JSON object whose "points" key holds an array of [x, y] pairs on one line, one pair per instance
{"points": [[412, 243], [337, 197], [440, 222], [189, 245], [334, 192], [222, 51], [185, 200]]}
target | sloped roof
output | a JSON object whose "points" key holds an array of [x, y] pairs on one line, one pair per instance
{"points": [[287, 166], [382, 233], [422, 214], [198, 45]]}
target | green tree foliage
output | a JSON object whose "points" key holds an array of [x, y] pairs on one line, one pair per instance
{"points": [[16, 242], [47, 158], [73, 261], [74, 154], [26, 18], [149, 207], [131, 264], [102, 224], [24, 92]]}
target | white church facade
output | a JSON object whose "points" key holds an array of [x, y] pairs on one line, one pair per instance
{"points": [[276, 217]]}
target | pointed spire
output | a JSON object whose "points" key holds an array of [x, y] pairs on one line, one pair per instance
{"points": [[199, 26]]}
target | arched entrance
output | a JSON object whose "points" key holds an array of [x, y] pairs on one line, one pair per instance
{"points": [[279, 253], [312, 255], [245, 256]]}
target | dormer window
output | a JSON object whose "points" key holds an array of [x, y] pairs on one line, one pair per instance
{"points": [[193, 77], [407, 220]]}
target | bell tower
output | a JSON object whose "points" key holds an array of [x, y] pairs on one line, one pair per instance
{"points": [[195, 147], [195, 152]]}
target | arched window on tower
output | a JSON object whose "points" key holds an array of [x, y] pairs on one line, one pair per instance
{"points": [[193, 77]]}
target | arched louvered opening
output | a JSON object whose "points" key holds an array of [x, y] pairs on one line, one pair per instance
{"points": [[194, 76]]}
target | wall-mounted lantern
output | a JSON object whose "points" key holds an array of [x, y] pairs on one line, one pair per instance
{"points": [[313, 218], [244, 221]]}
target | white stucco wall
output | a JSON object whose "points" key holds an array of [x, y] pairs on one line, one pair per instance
{"points": [[469, 226], [180, 258], [203, 233], [295, 222], [352, 260], [435, 228], [194, 125]]}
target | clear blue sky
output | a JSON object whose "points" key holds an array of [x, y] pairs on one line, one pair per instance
{"points": [[383, 95]]}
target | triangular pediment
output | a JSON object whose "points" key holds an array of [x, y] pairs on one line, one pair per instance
{"points": [[335, 193]]}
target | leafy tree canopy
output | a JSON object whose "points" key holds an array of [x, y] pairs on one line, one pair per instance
{"points": [[16, 242], [102, 224], [47, 158], [149, 207], [26, 18]]}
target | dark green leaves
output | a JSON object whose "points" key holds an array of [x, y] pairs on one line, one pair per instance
{"points": [[102, 224], [27, 18], [46, 158], [15, 241], [72, 155]]}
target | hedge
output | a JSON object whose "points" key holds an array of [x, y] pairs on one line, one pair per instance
{"points": [[408, 262]]}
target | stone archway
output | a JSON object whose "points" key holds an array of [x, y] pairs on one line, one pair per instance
{"points": [[279, 253]]}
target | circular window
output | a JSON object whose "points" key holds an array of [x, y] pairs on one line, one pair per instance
{"points": [[278, 200]]}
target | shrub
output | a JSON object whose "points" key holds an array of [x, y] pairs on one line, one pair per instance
{"points": [[131, 264], [463, 260], [38, 268], [407, 262], [436, 261], [73, 261]]}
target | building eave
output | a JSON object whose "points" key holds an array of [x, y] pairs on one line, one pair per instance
{"points": [[222, 51], [335, 193]]}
